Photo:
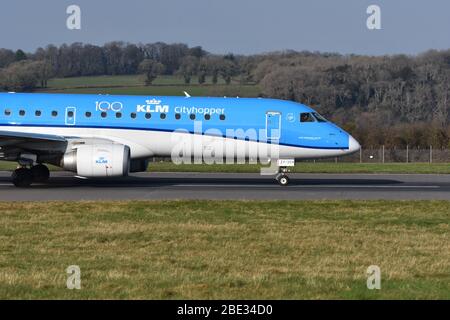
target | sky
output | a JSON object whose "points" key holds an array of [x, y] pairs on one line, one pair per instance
{"points": [[238, 26]]}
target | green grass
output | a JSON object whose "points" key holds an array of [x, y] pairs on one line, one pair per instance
{"points": [[163, 85], [176, 90], [301, 167], [121, 80], [95, 81], [310, 167], [9, 166], [225, 249]]}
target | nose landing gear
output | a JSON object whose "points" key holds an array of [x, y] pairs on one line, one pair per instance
{"points": [[281, 170], [282, 179]]}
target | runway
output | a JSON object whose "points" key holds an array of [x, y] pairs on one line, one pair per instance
{"points": [[160, 186]]}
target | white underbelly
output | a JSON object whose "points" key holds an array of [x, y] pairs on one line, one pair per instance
{"points": [[144, 144]]}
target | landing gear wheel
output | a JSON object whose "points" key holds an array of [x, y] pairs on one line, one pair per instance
{"points": [[40, 173], [283, 180], [22, 178]]}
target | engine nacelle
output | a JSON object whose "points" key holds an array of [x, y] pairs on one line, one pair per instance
{"points": [[98, 160]]}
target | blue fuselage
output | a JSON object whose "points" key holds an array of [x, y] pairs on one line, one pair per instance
{"points": [[238, 118]]}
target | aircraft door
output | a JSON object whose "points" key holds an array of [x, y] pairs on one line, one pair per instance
{"points": [[273, 125], [70, 116]]}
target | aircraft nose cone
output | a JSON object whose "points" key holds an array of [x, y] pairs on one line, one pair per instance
{"points": [[353, 145]]}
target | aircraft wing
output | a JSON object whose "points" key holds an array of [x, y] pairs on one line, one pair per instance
{"points": [[11, 141]]}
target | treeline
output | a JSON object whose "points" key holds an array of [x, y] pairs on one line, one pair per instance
{"points": [[392, 100], [115, 58]]}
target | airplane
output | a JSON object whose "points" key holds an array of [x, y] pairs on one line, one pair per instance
{"points": [[99, 136]]}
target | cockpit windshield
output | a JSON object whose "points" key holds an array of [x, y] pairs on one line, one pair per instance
{"points": [[318, 117], [306, 117], [311, 117]]}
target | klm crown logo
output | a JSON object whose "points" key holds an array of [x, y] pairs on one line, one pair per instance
{"points": [[153, 101]]}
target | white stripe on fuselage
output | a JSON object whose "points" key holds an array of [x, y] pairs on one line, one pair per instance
{"points": [[144, 144]]}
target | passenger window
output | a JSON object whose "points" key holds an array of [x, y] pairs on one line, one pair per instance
{"points": [[54, 113], [162, 116], [148, 115], [133, 115], [38, 113], [222, 117], [88, 114], [192, 116], [118, 115], [70, 114], [103, 114], [22, 113], [7, 112], [306, 117], [177, 116], [207, 116]]}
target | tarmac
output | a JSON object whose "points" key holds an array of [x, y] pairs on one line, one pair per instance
{"points": [[232, 186]]}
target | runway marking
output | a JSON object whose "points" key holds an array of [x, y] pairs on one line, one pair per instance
{"points": [[301, 186], [200, 185]]}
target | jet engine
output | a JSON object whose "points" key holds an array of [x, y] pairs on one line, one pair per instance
{"points": [[98, 160]]}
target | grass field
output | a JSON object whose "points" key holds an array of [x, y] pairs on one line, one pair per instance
{"points": [[163, 85], [96, 81], [193, 90], [227, 249], [302, 167], [120, 81], [310, 167], [9, 166]]}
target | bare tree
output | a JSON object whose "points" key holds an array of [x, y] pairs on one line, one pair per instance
{"points": [[188, 68], [151, 69], [20, 76]]}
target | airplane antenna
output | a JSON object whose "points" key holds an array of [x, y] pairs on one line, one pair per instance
{"points": [[187, 94]]}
